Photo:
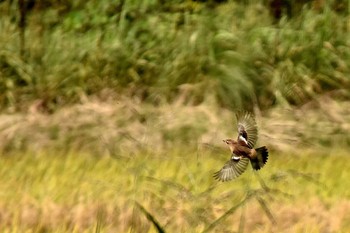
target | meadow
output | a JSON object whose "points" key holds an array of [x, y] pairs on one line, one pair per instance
{"points": [[87, 173], [112, 116], [157, 52], [74, 192]]}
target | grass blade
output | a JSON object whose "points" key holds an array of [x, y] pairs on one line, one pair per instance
{"points": [[99, 216], [230, 211], [242, 221], [151, 218], [266, 209]]}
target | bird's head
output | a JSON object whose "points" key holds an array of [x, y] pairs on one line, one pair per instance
{"points": [[229, 141]]}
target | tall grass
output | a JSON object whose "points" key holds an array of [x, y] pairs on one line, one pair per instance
{"points": [[120, 107], [72, 192], [160, 52]]}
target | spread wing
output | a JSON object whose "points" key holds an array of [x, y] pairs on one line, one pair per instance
{"points": [[247, 129], [232, 169]]}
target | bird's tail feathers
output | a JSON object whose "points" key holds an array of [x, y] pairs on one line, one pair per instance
{"points": [[261, 158]]}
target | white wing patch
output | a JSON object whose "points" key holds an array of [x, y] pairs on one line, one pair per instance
{"points": [[241, 138], [247, 129], [232, 169], [236, 158]]}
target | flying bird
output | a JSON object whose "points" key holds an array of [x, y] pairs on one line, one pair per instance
{"points": [[242, 150]]}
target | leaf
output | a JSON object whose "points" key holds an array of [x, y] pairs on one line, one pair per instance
{"points": [[150, 218], [230, 211], [266, 209]]}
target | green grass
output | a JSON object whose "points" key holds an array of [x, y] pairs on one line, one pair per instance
{"points": [[160, 52], [58, 192]]}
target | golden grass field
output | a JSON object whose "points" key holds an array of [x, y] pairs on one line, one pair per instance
{"points": [[74, 192], [102, 172]]}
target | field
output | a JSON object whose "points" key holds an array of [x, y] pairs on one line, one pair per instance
{"points": [[121, 180], [112, 115], [72, 192]]}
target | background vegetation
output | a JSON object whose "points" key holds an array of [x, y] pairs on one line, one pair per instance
{"points": [[113, 113], [156, 51]]}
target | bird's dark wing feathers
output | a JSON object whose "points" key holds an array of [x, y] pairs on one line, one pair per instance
{"points": [[247, 129], [232, 169]]}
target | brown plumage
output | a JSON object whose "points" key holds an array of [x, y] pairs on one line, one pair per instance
{"points": [[243, 150]]}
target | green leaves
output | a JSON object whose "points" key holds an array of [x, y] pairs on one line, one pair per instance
{"points": [[175, 51]]}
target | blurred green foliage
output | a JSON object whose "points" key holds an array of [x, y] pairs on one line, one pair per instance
{"points": [[159, 50]]}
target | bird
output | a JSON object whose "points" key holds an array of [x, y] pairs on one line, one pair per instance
{"points": [[242, 149]]}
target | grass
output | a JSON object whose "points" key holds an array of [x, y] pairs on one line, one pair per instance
{"points": [[156, 52], [122, 126], [59, 192], [112, 115]]}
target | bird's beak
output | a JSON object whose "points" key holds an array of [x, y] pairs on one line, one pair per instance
{"points": [[224, 141]]}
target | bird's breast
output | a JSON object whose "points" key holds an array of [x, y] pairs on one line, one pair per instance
{"points": [[243, 151]]}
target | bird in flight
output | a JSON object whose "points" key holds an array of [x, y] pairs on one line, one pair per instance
{"points": [[242, 150]]}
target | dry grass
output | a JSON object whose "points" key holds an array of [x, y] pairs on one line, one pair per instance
{"points": [[97, 158], [119, 125], [321, 123], [59, 192]]}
